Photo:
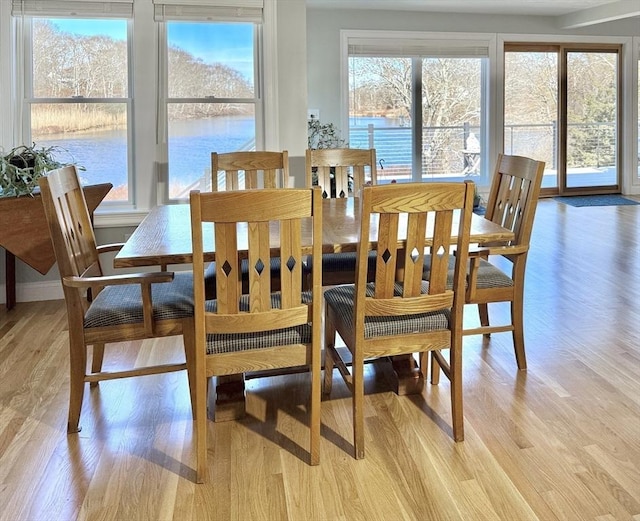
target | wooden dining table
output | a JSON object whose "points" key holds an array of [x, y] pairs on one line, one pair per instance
{"points": [[163, 238]]}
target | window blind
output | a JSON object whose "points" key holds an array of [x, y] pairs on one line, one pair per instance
{"points": [[73, 8], [213, 10], [416, 47]]}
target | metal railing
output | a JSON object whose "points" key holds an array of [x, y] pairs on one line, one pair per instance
{"points": [[444, 152]]}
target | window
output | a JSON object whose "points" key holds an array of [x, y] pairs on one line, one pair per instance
{"points": [[76, 93], [212, 98], [420, 101]]}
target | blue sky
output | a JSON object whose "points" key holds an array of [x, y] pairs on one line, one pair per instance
{"points": [[227, 43]]}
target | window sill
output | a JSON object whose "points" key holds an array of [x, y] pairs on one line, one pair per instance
{"points": [[118, 219]]}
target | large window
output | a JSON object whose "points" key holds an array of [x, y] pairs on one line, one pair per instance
{"points": [[421, 104], [77, 96], [212, 98]]}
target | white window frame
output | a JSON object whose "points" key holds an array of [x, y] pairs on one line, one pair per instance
{"points": [[414, 43], [164, 100]]}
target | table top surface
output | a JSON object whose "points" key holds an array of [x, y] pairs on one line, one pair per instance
{"points": [[164, 236]]}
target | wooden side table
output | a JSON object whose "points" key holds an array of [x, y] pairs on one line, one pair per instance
{"points": [[24, 233]]}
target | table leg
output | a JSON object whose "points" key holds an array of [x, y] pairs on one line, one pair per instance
{"points": [[409, 378], [230, 399], [10, 279]]}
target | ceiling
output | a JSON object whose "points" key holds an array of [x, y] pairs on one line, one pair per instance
{"points": [[571, 13]]}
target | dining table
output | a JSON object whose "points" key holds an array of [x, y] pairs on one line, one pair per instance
{"points": [[163, 238]]}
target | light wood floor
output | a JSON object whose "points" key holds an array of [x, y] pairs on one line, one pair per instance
{"points": [[558, 442]]}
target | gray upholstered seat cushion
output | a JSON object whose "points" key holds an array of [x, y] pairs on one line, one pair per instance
{"points": [[489, 276], [342, 300], [117, 305], [336, 262], [229, 343]]}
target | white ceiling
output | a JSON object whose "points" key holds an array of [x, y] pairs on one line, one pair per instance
{"points": [[572, 13]]}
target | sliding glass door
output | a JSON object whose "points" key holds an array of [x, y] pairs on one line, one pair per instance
{"points": [[562, 106]]}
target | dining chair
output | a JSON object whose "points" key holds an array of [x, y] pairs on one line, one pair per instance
{"points": [[245, 170], [258, 329], [103, 309], [512, 203], [513, 198], [340, 172], [249, 169], [399, 312]]}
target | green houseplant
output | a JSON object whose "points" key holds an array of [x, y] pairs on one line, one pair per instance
{"points": [[324, 135], [22, 166]]}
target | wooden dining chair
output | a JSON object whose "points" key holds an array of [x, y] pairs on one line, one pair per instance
{"points": [[241, 171], [340, 172], [260, 329], [399, 313], [121, 308], [512, 203], [249, 169]]}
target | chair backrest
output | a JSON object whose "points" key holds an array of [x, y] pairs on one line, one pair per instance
{"points": [[258, 168], [413, 217], [70, 226], [353, 168], [514, 194], [272, 221]]}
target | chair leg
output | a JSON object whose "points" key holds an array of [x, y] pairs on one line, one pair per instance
{"points": [[316, 398], [201, 427], [358, 407], [435, 370], [329, 342], [455, 365], [483, 311], [517, 319], [188, 341], [78, 367], [96, 361]]}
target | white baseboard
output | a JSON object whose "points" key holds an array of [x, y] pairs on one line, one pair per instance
{"points": [[34, 291]]}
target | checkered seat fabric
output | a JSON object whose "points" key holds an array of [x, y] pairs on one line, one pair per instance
{"points": [[122, 304], [489, 276], [342, 300], [230, 343]]}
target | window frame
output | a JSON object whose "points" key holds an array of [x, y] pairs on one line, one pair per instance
{"points": [[28, 99], [164, 100], [426, 45]]}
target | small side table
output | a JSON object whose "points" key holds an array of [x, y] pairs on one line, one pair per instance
{"points": [[24, 233]]}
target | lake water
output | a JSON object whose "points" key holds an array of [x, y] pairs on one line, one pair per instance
{"points": [[104, 154]]}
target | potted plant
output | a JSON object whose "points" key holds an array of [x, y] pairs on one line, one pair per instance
{"points": [[324, 135], [21, 168]]}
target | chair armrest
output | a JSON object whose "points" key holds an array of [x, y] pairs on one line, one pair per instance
{"points": [[113, 280], [106, 248], [474, 264], [143, 279], [518, 249]]}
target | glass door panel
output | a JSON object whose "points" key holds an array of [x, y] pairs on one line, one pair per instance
{"points": [[592, 109], [531, 109]]}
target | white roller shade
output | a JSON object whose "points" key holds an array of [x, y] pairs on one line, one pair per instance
{"points": [[416, 47], [73, 8], [213, 10]]}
